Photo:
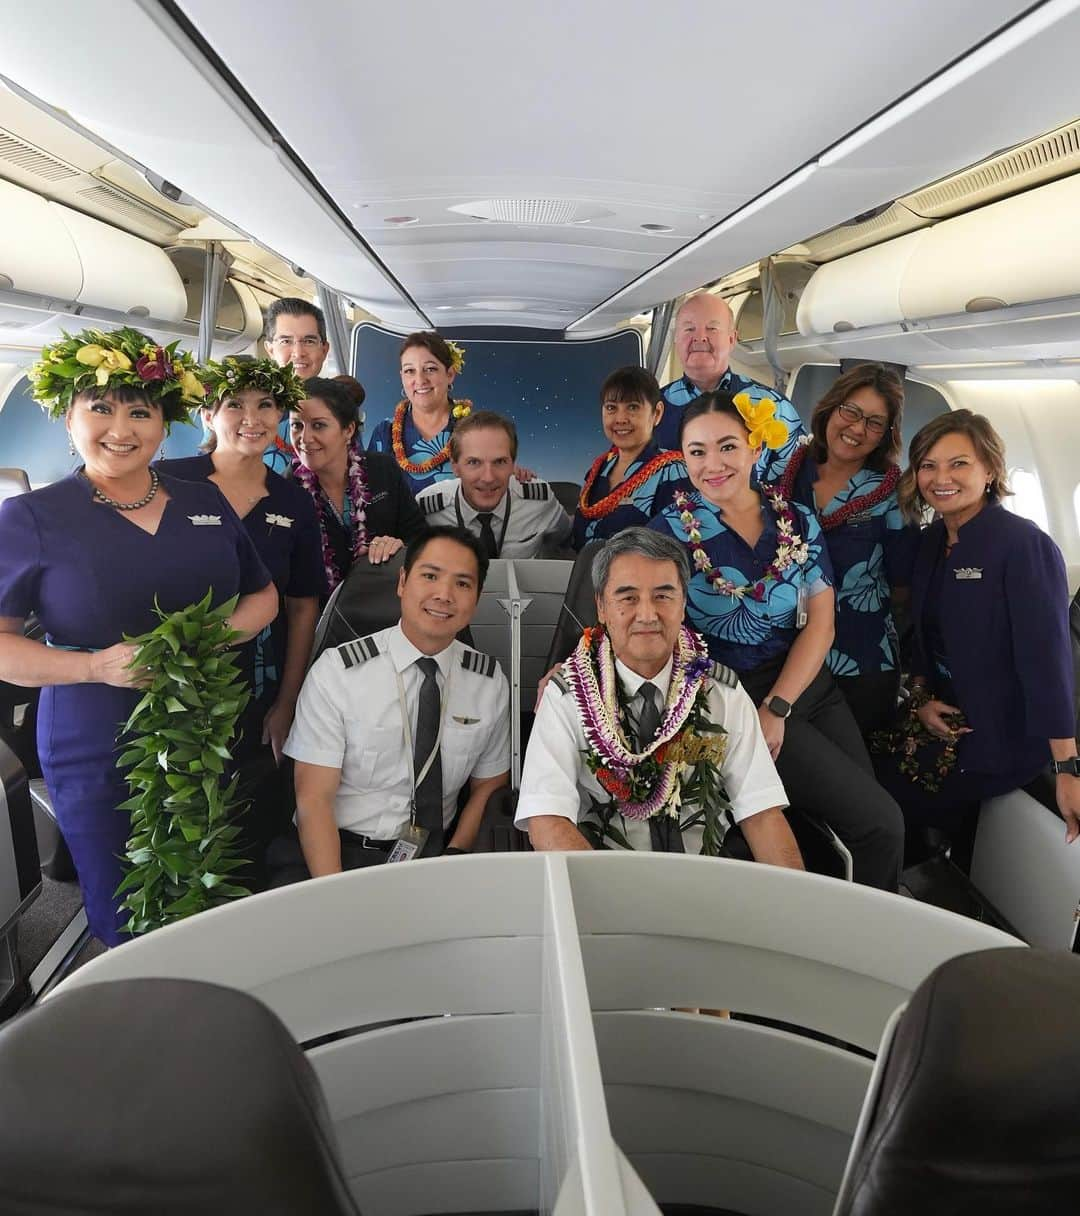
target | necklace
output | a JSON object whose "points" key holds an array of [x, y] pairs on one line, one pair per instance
{"points": [[649, 783], [127, 506], [854, 506], [625, 489], [357, 499], [790, 548], [458, 409]]}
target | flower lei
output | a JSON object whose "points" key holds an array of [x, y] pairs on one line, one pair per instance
{"points": [[625, 489], [357, 496], [459, 409], [647, 784], [236, 374], [854, 506], [790, 548], [121, 358], [910, 736]]}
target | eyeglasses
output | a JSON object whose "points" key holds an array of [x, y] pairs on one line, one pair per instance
{"points": [[874, 425], [289, 343]]}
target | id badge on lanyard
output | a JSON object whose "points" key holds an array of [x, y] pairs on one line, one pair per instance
{"points": [[801, 614], [412, 838]]}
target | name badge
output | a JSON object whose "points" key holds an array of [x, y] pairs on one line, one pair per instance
{"points": [[279, 521], [465, 721], [203, 521], [408, 844], [967, 572]]}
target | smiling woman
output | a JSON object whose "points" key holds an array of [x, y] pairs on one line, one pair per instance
{"points": [[91, 555]]}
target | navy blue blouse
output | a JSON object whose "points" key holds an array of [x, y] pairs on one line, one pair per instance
{"points": [[636, 509], [745, 631]]}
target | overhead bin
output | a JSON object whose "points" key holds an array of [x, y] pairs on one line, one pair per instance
{"points": [[860, 290], [1017, 251], [37, 252], [122, 272]]}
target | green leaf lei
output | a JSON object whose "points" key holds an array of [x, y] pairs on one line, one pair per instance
{"points": [[183, 844]]}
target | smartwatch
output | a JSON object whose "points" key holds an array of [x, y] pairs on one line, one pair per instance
{"points": [[778, 706], [1070, 766]]}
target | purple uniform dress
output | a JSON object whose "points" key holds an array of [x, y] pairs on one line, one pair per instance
{"points": [[91, 575]]}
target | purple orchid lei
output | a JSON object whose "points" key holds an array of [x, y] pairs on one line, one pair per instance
{"points": [[358, 497], [790, 548], [642, 784]]}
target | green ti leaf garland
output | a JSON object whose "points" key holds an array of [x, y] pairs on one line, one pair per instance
{"points": [[183, 844]]}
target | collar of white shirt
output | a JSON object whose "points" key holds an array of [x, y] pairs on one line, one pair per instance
{"points": [[469, 512], [403, 653], [632, 682]]}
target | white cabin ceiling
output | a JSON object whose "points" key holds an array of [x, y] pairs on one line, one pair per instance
{"points": [[633, 113]]}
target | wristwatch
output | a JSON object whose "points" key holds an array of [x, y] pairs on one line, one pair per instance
{"points": [[778, 706], [1070, 766]]}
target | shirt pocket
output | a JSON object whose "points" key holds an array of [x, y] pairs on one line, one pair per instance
{"points": [[462, 747], [374, 756]]}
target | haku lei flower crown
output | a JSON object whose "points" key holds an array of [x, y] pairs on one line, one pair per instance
{"points": [[854, 506], [648, 783], [237, 374], [459, 409], [357, 499], [625, 489], [122, 358], [759, 416], [790, 548]]}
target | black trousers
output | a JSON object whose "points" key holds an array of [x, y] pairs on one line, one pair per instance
{"points": [[827, 773], [871, 697], [286, 865]]}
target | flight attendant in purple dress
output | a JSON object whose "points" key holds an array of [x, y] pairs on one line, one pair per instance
{"points": [[245, 403], [89, 555]]}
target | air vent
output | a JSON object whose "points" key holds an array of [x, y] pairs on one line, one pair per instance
{"points": [[131, 209], [1031, 164], [533, 211], [32, 160]]}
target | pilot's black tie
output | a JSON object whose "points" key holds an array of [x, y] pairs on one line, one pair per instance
{"points": [[664, 831], [429, 792], [487, 534]]}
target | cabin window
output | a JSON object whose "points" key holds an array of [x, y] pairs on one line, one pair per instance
{"points": [[1027, 498]]}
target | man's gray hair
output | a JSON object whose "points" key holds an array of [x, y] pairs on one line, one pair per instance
{"points": [[644, 543]]}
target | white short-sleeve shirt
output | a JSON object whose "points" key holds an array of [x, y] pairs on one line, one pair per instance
{"points": [[348, 716], [528, 517], [556, 781]]}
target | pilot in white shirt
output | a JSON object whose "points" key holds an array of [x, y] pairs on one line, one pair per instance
{"points": [[363, 767], [511, 518], [640, 579]]}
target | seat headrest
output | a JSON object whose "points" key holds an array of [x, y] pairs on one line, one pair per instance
{"points": [[163, 1096], [978, 1106]]}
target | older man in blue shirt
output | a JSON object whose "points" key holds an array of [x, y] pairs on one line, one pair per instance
{"points": [[705, 336]]}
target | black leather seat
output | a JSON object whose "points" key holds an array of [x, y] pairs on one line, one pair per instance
{"points": [[579, 606], [568, 493], [20, 870], [977, 1108], [162, 1096]]}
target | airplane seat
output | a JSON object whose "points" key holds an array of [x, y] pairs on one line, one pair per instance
{"points": [[973, 1104], [12, 482], [579, 607], [193, 1098], [20, 867], [568, 493]]}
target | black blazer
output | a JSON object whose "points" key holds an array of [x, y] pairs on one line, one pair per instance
{"points": [[1004, 613]]}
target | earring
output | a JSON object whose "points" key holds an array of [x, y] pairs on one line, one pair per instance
{"points": [[161, 454], [71, 446]]}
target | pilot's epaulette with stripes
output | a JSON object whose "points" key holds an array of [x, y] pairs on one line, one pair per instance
{"points": [[482, 664], [539, 491], [432, 504], [724, 675], [354, 653]]}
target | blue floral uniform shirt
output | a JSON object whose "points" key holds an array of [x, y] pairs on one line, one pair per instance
{"points": [[417, 449], [636, 509], [679, 393], [871, 552], [746, 631]]}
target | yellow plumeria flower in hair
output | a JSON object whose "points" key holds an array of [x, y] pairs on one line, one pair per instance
{"points": [[761, 422], [457, 357]]}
